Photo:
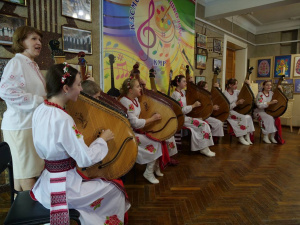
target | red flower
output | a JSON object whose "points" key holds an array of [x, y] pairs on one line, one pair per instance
{"points": [[96, 203], [113, 220], [196, 123], [243, 127], [150, 148], [131, 107], [138, 140], [171, 145], [233, 117], [206, 136]]}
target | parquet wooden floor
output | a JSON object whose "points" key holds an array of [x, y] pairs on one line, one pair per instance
{"points": [[259, 184]]}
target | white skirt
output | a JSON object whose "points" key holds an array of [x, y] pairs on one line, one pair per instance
{"points": [[26, 162]]}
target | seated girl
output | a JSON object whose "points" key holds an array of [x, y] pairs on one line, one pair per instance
{"points": [[216, 125], [62, 146], [201, 134], [242, 125], [149, 151], [267, 122]]}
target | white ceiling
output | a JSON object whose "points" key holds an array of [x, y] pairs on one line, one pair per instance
{"points": [[256, 16]]}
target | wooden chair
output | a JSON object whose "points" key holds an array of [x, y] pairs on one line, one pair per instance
{"points": [[24, 209]]}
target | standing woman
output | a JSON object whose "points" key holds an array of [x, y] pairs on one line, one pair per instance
{"points": [[201, 134], [267, 122], [62, 146], [22, 88], [216, 125], [148, 150], [242, 125]]}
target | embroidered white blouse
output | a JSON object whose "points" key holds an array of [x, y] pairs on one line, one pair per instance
{"points": [[22, 87]]}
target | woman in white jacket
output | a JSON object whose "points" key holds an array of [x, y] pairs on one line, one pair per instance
{"points": [[22, 87]]}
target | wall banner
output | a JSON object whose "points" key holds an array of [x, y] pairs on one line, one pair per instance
{"points": [[156, 33]]}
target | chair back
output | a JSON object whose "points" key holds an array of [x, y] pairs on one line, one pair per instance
{"points": [[6, 162], [5, 158]]}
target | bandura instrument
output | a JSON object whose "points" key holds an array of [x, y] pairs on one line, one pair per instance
{"points": [[219, 99], [278, 109], [112, 91], [82, 65], [195, 93], [246, 94], [151, 103], [92, 116], [175, 105]]}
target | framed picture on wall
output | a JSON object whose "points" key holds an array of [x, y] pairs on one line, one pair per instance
{"points": [[76, 40], [198, 79], [201, 40], [217, 63], [297, 86], [259, 82], [288, 90], [201, 62], [297, 67], [8, 25], [19, 2], [77, 9], [263, 68], [282, 66], [89, 68], [217, 45], [3, 62]]}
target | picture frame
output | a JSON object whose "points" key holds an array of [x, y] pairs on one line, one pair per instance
{"points": [[89, 68], [199, 78], [217, 45], [264, 68], [200, 61], [8, 25], [297, 67], [201, 41], [297, 86], [18, 2], [288, 90], [3, 62], [77, 9], [259, 82], [282, 66], [217, 63], [76, 40]]}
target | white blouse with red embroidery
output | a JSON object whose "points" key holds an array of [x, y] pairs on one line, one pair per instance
{"points": [[22, 87]]}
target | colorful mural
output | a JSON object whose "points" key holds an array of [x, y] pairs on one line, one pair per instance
{"points": [[156, 33]]}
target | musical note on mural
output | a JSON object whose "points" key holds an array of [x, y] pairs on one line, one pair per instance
{"points": [[120, 57], [166, 50], [145, 27], [121, 71], [160, 45]]}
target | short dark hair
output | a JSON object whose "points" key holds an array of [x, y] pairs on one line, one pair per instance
{"points": [[178, 79], [90, 87], [54, 84], [231, 81], [20, 34], [201, 83]]}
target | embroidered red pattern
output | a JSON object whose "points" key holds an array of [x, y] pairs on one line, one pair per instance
{"points": [[58, 198], [59, 217], [113, 220], [96, 204]]}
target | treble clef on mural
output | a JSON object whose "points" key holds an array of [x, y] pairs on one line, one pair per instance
{"points": [[145, 27]]}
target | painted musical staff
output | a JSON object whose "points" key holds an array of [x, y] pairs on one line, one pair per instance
{"points": [[145, 27]]}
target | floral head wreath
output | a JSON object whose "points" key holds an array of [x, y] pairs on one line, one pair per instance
{"points": [[66, 72], [128, 81]]}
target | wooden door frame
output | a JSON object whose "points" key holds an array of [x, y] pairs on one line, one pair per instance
{"points": [[242, 61]]}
